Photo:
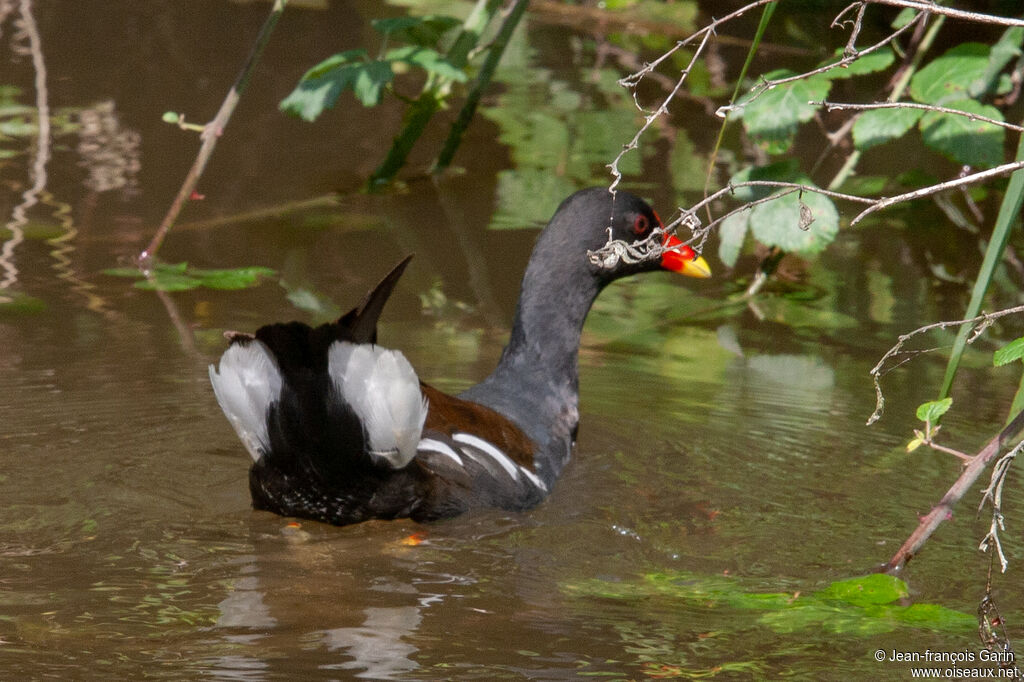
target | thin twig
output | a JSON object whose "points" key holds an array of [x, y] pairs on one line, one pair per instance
{"points": [[652, 117], [633, 79], [876, 372], [971, 179], [213, 131], [951, 12], [841, 106], [994, 495], [847, 59], [944, 508]]}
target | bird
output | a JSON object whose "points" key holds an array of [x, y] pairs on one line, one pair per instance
{"points": [[341, 429]]}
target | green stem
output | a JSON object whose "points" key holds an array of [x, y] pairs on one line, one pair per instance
{"points": [[1009, 212], [483, 80], [434, 91], [415, 122], [762, 26]]}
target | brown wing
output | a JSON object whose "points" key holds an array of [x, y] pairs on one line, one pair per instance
{"points": [[449, 415]]}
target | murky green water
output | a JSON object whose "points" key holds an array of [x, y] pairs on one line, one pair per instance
{"points": [[716, 443]]}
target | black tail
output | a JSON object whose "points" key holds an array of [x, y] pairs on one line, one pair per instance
{"points": [[311, 446]]}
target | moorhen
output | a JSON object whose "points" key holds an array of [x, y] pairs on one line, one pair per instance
{"points": [[341, 430]]}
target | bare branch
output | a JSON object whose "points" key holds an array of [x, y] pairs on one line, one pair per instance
{"points": [[212, 133], [848, 58], [876, 372], [951, 12], [632, 80], [971, 179], [944, 509], [843, 106], [652, 117]]}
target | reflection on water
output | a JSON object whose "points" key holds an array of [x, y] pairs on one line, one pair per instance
{"points": [[712, 442], [376, 647]]}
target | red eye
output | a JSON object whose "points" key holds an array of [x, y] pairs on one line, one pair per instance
{"points": [[641, 225]]}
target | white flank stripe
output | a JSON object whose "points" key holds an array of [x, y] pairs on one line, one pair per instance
{"points": [[491, 451], [431, 445], [534, 478]]}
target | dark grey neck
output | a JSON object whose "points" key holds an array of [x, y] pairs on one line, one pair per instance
{"points": [[536, 381], [545, 339]]}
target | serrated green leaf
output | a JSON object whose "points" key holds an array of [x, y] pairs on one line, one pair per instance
{"points": [[425, 31], [872, 62], [876, 126], [933, 410], [864, 185], [904, 17], [428, 59], [1008, 353], [320, 87], [731, 234], [1006, 49], [787, 170], [370, 80], [357, 56], [949, 77], [394, 24], [773, 117], [778, 222], [966, 141]]}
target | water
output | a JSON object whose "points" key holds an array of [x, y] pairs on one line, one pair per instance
{"points": [[714, 444]]}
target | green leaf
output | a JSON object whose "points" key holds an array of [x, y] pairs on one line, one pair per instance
{"points": [[872, 62], [905, 16], [778, 222], [428, 59], [932, 411], [168, 281], [235, 278], [1006, 49], [731, 234], [876, 126], [17, 303], [424, 31], [180, 277], [1008, 353], [963, 140], [773, 117], [392, 25], [320, 87], [370, 80], [864, 185], [949, 77], [787, 170]]}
